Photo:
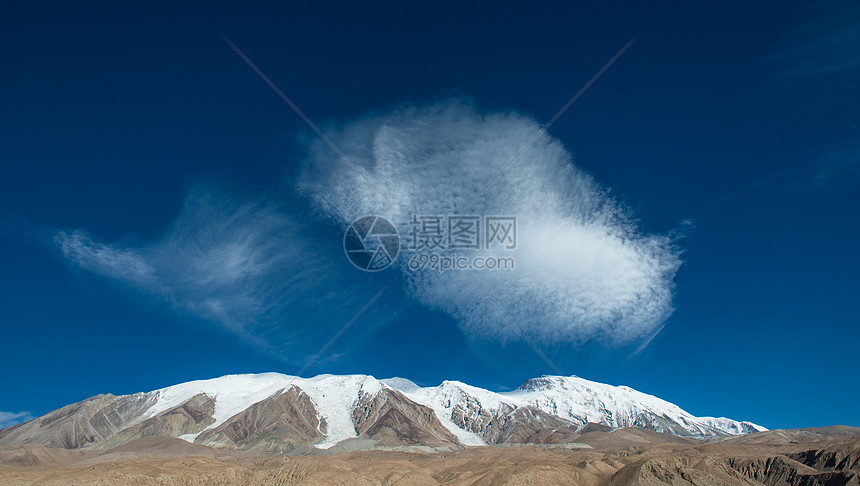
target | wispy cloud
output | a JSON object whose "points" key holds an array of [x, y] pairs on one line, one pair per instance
{"points": [[840, 161], [111, 261], [274, 271], [821, 56], [8, 419], [253, 266], [827, 44], [837, 164]]}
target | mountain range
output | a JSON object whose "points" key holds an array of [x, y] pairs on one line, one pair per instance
{"points": [[275, 413]]}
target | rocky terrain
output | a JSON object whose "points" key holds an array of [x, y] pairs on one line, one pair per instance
{"points": [[600, 457]]}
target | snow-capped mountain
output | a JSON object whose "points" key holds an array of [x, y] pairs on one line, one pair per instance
{"points": [[572, 399], [272, 412]]}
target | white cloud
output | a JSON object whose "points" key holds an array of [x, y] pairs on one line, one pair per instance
{"points": [[583, 267], [274, 271], [8, 419]]}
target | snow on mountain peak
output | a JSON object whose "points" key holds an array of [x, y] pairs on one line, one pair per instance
{"points": [[400, 384], [333, 396], [570, 398]]}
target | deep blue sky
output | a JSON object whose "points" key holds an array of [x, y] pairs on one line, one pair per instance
{"points": [[740, 117]]}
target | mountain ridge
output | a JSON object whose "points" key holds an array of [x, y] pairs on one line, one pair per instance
{"points": [[276, 413]]}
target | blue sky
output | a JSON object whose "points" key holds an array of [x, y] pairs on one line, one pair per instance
{"points": [[166, 217]]}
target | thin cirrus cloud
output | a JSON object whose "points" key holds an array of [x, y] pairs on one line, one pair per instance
{"points": [[825, 50], [275, 272], [246, 264], [822, 53], [8, 419], [827, 44]]}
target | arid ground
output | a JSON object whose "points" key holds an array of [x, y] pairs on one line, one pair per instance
{"points": [[829, 456]]}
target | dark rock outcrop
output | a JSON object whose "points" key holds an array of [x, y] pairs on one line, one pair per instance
{"points": [[391, 419], [278, 424]]}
